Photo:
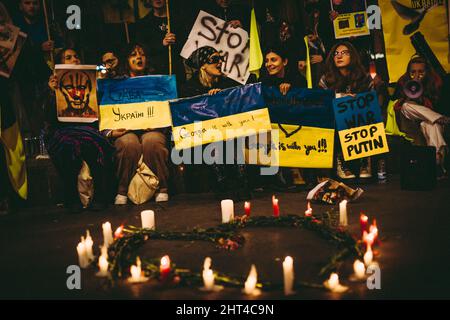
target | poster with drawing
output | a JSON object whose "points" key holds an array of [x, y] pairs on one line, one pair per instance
{"points": [[8, 57], [232, 44], [76, 95]]}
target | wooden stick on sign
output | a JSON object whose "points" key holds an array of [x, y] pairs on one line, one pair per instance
{"points": [[47, 27], [168, 30]]}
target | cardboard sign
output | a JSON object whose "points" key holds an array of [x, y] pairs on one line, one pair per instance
{"points": [[232, 44], [231, 113], [136, 103], [363, 141], [352, 112], [76, 95], [351, 24]]}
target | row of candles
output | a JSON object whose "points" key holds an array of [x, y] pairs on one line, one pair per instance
{"points": [[369, 237]]}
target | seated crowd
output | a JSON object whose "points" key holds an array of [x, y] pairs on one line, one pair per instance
{"points": [[339, 68]]}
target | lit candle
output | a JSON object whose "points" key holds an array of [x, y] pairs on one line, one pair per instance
{"points": [[288, 273], [363, 219], [164, 267], [276, 208], [136, 273], [308, 212], [148, 219], [88, 243], [107, 234], [343, 220], [83, 260], [103, 263], [208, 280], [227, 210], [368, 256], [247, 208], [333, 284], [250, 284], [359, 269]]}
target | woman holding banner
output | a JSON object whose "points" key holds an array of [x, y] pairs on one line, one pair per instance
{"points": [[346, 75], [150, 143], [209, 79], [69, 144]]}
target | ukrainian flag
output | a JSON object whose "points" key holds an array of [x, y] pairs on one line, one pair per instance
{"points": [[11, 141], [256, 56]]}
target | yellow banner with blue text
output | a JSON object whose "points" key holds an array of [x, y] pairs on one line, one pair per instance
{"points": [[221, 129]]}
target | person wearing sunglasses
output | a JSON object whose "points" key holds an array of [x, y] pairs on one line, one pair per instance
{"points": [[207, 77], [231, 180], [345, 74]]}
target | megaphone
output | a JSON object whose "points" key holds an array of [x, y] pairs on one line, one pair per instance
{"points": [[413, 89]]}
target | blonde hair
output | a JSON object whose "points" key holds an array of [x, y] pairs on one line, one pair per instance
{"points": [[205, 79]]}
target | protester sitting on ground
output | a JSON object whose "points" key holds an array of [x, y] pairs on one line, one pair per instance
{"points": [[278, 72], [418, 107], [231, 179], [149, 143], [69, 144], [345, 75]]}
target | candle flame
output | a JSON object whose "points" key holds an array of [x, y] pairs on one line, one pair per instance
{"points": [[252, 279], [309, 211], [119, 232], [363, 217], [165, 261]]}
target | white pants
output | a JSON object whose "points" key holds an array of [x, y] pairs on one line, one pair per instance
{"points": [[432, 131]]}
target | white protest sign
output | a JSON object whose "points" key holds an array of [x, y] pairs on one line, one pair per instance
{"points": [[232, 43]]}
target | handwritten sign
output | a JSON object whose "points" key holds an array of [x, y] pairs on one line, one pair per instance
{"points": [[136, 103], [76, 96], [293, 146], [352, 112], [360, 126], [231, 113], [232, 43], [363, 141]]}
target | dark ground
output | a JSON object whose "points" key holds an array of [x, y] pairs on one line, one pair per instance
{"points": [[37, 245]]}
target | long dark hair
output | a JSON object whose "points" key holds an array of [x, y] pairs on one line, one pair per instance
{"points": [[279, 51], [357, 78], [431, 82], [126, 52]]}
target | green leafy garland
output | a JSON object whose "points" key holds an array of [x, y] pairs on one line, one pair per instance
{"points": [[122, 253]]}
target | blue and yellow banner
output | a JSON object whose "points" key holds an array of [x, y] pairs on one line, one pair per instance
{"points": [[136, 103], [229, 114], [306, 107]]}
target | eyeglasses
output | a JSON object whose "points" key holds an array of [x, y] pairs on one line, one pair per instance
{"points": [[420, 74], [214, 59], [342, 53]]}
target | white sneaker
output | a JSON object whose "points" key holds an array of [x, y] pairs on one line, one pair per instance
{"points": [[120, 200], [162, 197]]}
